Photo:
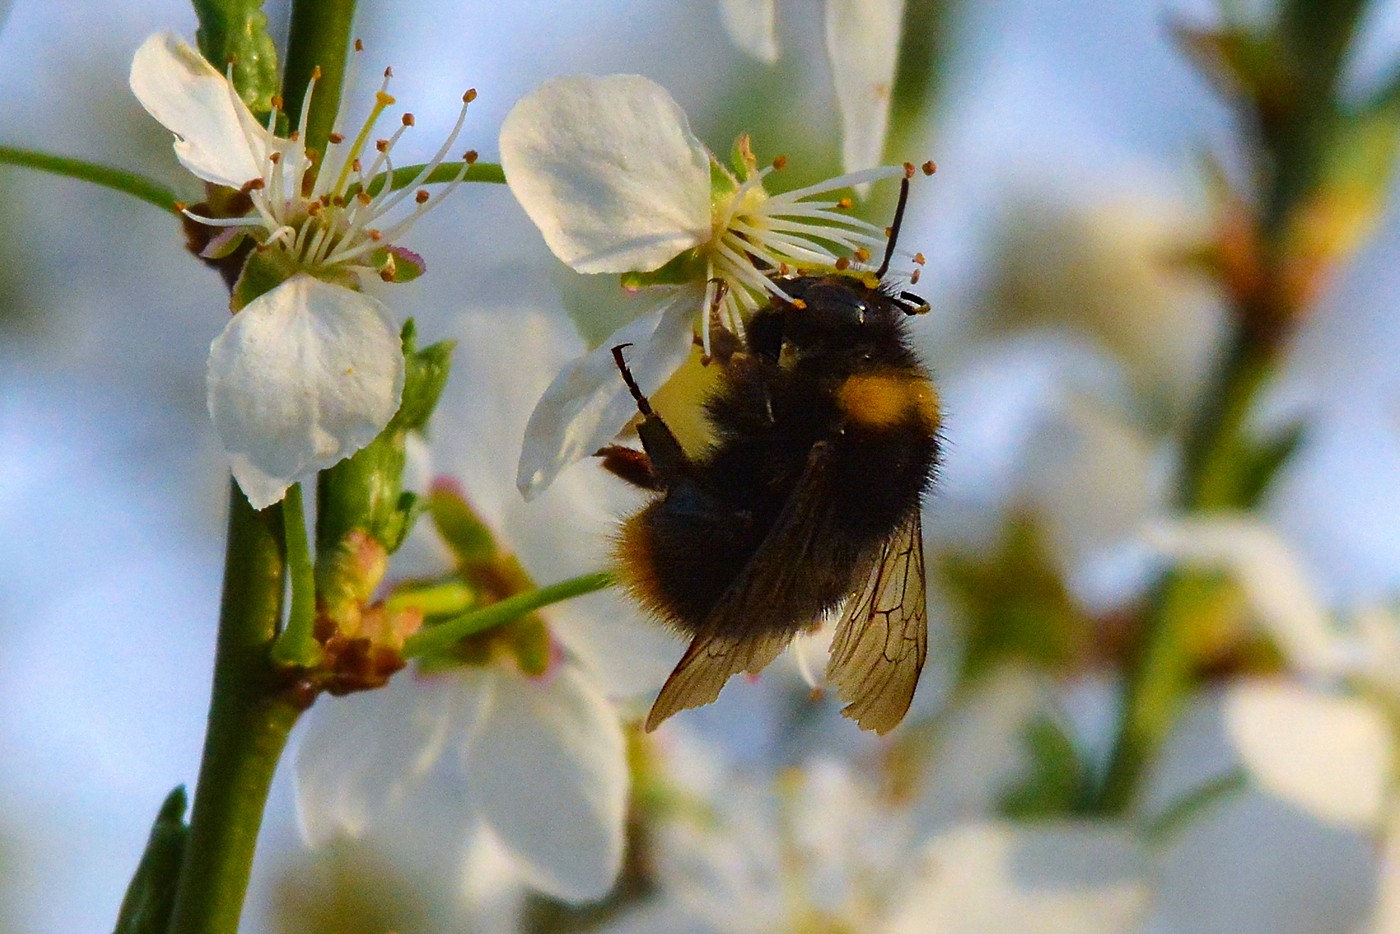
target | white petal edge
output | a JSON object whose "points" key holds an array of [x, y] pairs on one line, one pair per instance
{"points": [[752, 24], [588, 403], [1276, 585], [547, 772], [361, 754], [300, 379], [1051, 879], [1326, 754], [218, 139], [609, 171], [862, 45], [567, 529]]}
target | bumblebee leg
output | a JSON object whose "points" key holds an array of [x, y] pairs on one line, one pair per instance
{"points": [[629, 464], [667, 459]]}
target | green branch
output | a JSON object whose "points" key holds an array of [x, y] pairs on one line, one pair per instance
{"points": [[129, 183], [484, 172], [319, 38], [297, 645], [443, 636], [250, 715]]}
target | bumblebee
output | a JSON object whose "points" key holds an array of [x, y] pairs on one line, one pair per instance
{"points": [[807, 502]]}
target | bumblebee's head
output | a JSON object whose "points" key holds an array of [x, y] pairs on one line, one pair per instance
{"points": [[828, 315]]}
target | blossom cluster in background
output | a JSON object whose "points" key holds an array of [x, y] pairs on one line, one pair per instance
{"points": [[1082, 270]]}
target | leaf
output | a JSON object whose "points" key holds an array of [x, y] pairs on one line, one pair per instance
{"points": [[1056, 782], [1263, 461], [1015, 604], [150, 897]]}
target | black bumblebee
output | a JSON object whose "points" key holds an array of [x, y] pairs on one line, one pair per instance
{"points": [[826, 439]]}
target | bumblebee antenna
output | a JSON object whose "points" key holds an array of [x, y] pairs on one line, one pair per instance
{"points": [[643, 405], [894, 227]]}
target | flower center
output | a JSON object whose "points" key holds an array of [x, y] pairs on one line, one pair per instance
{"points": [[332, 211]]}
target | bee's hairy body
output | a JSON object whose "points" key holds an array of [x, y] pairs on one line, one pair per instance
{"points": [[829, 379]]}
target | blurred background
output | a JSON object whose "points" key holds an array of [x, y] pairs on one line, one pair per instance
{"points": [[1071, 335]]}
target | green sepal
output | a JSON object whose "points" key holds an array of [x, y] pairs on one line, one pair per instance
{"points": [[235, 31], [1015, 604], [685, 267], [722, 183], [1056, 783], [462, 530], [150, 897], [1238, 60], [425, 376], [264, 271], [226, 246], [396, 264], [1261, 463], [743, 160], [365, 491]]}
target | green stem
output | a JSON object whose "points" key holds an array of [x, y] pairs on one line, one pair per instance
{"points": [[487, 172], [297, 645], [452, 596], [1218, 453], [250, 715], [1161, 681], [129, 183], [319, 37], [443, 636]]}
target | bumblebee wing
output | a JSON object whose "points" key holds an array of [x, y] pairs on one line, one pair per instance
{"points": [[880, 645], [707, 665], [739, 635]]}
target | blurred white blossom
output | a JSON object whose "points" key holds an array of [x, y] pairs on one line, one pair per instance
{"points": [[310, 370], [609, 171], [1343, 775], [537, 760], [862, 48], [1056, 878], [540, 761]]}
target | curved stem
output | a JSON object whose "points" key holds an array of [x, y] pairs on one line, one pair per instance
{"points": [[485, 172], [444, 635], [250, 716], [297, 645], [128, 183]]}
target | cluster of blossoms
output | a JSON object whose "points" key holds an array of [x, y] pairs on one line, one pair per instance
{"points": [[611, 174], [310, 368]]}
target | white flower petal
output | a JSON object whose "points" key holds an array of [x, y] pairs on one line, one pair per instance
{"points": [[609, 171], [566, 530], [994, 878], [862, 44], [588, 403], [1276, 585], [984, 749], [301, 378], [752, 24], [219, 140], [547, 771], [362, 753], [1253, 864], [1325, 754]]}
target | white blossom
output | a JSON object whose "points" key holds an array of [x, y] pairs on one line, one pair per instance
{"points": [[862, 48], [609, 171], [537, 761], [309, 371]]}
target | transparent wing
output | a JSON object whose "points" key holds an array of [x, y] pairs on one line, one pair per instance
{"points": [[740, 634], [880, 645], [707, 665]]}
